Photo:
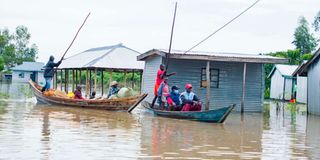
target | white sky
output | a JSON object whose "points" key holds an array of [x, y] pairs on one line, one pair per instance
{"points": [[145, 24]]}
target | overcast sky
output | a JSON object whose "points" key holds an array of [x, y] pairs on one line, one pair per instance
{"points": [[145, 24]]}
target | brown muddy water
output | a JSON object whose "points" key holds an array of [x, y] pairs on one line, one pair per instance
{"points": [[32, 131]]}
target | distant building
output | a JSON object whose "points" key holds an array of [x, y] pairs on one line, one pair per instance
{"points": [[234, 78], [282, 82], [27, 71], [302, 86], [311, 69]]}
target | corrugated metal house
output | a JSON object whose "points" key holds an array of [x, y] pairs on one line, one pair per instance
{"points": [[27, 71], [282, 82], [302, 86], [234, 78], [311, 69]]}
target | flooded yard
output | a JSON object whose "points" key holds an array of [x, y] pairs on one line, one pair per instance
{"points": [[33, 131]]}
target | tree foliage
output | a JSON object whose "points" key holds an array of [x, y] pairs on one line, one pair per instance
{"points": [[15, 48], [303, 39]]}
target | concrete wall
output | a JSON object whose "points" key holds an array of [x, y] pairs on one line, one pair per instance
{"points": [[314, 88], [27, 76], [302, 83], [230, 81]]}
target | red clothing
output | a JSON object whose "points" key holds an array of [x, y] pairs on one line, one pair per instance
{"points": [[159, 77], [78, 95], [193, 107]]}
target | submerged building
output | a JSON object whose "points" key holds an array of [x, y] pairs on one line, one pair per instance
{"points": [[27, 71], [233, 78], [282, 82], [311, 69]]}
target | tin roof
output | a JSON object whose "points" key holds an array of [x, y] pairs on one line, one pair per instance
{"points": [[285, 70], [214, 56], [303, 69], [116, 57], [29, 66]]}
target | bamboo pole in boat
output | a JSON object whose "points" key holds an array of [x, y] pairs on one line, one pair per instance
{"points": [[87, 82], [101, 82], [208, 85], [243, 86], [95, 80], [73, 79]]}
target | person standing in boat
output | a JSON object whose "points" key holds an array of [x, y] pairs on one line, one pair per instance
{"points": [[48, 73], [190, 100], [161, 73]]}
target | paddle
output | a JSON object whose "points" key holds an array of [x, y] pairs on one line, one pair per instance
{"points": [[136, 104], [74, 38]]}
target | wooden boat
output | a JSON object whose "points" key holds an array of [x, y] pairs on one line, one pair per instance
{"points": [[215, 116], [105, 104]]}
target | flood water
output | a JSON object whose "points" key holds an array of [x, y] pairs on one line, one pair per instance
{"points": [[32, 131]]}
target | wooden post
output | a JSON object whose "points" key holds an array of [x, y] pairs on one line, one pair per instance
{"points": [[66, 84], [61, 78], [76, 77], [80, 71], [208, 85], [73, 80], [125, 78], [243, 86], [140, 82], [95, 80], [101, 82], [87, 82], [132, 80], [110, 77], [54, 79], [90, 72]]}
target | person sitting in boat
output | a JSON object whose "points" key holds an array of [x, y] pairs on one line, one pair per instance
{"points": [[174, 100], [77, 93], [113, 89], [190, 100], [163, 93], [48, 73], [161, 73]]}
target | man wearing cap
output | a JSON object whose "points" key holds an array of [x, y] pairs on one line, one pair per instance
{"points": [[48, 73], [174, 100], [190, 101], [113, 89]]}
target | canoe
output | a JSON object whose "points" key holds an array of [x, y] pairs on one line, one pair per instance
{"points": [[214, 116], [104, 104]]}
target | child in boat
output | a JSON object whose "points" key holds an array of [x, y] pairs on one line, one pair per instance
{"points": [[113, 89], [163, 93], [190, 101], [77, 93]]}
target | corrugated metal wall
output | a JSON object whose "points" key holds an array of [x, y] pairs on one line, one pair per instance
{"points": [[314, 88], [230, 82], [302, 83], [288, 89], [276, 88], [149, 76]]}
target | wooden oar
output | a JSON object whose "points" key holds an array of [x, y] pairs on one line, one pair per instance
{"points": [[138, 102], [75, 37]]}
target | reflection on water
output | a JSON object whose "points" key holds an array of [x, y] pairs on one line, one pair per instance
{"points": [[32, 131]]}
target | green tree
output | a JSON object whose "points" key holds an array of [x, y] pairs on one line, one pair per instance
{"points": [[303, 39], [1, 64]]}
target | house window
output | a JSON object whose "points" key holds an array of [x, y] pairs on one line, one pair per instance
{"points": [[21, 75], [214, 78]]}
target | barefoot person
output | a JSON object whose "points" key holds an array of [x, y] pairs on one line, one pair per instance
{"points": [[48, 73], [161, 73]]}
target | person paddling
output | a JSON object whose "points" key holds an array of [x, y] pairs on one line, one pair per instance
{"points": [[48, 73], [161, 73]]}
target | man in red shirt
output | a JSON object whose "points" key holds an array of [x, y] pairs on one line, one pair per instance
{"points": [[161, 73]]}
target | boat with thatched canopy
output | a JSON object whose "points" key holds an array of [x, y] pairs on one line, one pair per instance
{"points": [[104, 104]]}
